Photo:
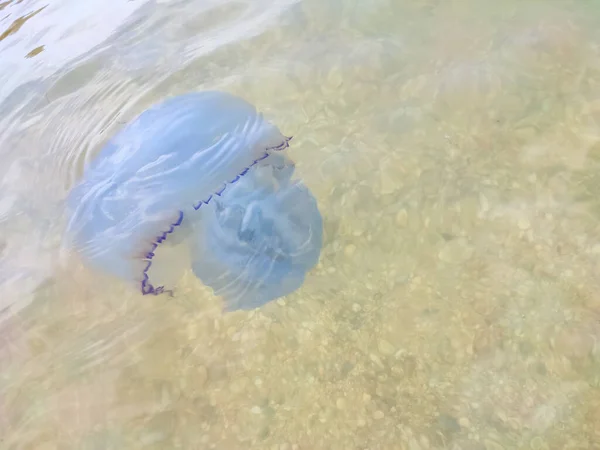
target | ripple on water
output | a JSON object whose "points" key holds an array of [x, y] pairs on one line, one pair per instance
{"points": [[491, 340]]}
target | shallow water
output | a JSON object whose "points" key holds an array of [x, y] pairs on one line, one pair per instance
{"points": [[454, 150]]}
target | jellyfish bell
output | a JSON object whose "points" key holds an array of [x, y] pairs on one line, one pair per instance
{"points": [[258, 243], [194, 158]]}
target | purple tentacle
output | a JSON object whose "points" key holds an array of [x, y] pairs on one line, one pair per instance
{"points": [[146, 287]]}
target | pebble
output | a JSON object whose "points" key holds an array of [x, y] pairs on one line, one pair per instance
{"points": [[377, 360], [464, 422], [574, 343], [192, 330], [47, 446], [238, 386], [402, 218], [409, 365], [492, 445], [523, 223], [448, 423], [378, 415], [152, 437], [388, 182], [537, 443], [356, 307], [340, 403], [543, 417], [335, 78], [413, 444], [256, 410], [484, 203], [202, 375], [455, 251], [350, 249], [385, 348]]}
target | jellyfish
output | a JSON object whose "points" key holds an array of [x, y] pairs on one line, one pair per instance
{"points": [[206, 174]]}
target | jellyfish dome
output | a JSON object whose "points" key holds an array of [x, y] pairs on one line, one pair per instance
{"points": [[257, 242], [205, 172]]}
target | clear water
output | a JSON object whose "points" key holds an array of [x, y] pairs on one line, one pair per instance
{"points": [[454, 149]]}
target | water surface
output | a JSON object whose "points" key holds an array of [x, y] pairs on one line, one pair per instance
{"points": [[454, 150]]}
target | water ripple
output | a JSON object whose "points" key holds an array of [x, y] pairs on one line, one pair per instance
{"points": [[95, 66]]}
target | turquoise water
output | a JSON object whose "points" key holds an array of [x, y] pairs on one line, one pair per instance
{"points": [[453, 148]]}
